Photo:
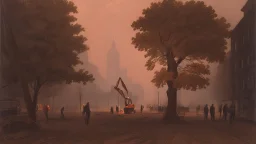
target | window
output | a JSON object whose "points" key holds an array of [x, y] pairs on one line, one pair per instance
{"points": [[235, 48], [243, 85], [254, 81], [248, 82], [248, 60], [249, 33]]}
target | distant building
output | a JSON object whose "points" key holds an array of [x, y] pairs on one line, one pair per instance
{"points": [[114, 71], [223, 82], [4, 43], [243, 62], [113, 65], [1, 46]]}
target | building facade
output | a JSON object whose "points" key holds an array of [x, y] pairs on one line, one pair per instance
{"points": [[2, 45], [243, 62]]}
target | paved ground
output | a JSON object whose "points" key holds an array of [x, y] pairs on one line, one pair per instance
{"points": [[139, 128]]}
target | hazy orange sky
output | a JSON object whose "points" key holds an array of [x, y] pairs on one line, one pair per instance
{"points": [[108, 20]]}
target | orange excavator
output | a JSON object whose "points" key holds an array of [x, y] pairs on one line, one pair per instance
{"points": [[129, 107]]}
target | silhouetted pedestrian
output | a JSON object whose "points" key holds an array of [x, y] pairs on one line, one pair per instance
{"points": [[117, 109], [87, 113], [62, 113], [206, 111], [112, 110], [46, 110], [141, 108], [220, 110], [232, 110], [212, 112], [225, 111]]}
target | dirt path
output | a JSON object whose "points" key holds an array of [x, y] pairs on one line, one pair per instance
{"points": [[134, 129]]}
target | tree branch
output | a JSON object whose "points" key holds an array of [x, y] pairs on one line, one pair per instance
{"points": [[161, 38], [163, 42], [5, 86], [179, 61]]}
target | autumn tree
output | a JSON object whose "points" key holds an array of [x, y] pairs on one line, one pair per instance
{"points": [[46, 41], [182, 37]]}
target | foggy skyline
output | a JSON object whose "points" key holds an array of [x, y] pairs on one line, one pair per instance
{"points": [[108, 20]]}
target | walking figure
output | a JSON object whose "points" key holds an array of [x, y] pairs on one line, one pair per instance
{"points": [[62, 113], [220, 110], [141, 108], [112, 110], [232, 111], [87, 113], [206, 111], [212, 112], [225, 112], [117, 109], [46, 110]]}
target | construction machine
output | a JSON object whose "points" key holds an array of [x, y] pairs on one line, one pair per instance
{"points": [[129, 106]]}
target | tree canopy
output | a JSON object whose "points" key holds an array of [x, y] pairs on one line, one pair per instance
{"points": [[46, 43], [48, 40], [191, 31]]}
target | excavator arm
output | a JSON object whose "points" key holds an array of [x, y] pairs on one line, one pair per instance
{"points": [[127, 100], [123, 85]]}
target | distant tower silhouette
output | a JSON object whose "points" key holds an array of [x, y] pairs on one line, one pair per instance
{"points": [[113, 64]]}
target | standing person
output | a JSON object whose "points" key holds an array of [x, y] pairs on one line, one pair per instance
{"points": [[87, 113], [206, 110], [220, 110], [117, 109], [112, 110], [232, 110], [62, 112], [46, 110], [212, 112], [225, 111], [141, 108]]}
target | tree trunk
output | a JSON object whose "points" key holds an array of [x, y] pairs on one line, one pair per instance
{"points": [[30, 103], [171, 111]]}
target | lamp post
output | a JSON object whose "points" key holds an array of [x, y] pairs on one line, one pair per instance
{"points": [[158, 98], [80, 98]]}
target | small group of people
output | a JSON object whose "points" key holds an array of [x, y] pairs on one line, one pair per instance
{"points": [[86, 112], [117, 109], [112, 109], [225, 110]]}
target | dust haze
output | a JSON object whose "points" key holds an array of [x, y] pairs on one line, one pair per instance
{"points": [[111, 55]]}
